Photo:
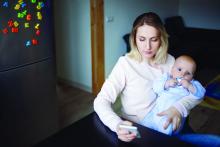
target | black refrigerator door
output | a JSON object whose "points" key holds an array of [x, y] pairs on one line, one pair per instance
{"points": [[28, 107], [26, 32]]}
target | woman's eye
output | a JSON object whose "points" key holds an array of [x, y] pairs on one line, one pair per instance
{"points": [[142, 39], [154, 39]]}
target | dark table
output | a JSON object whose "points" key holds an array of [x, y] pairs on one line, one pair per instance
{"points": [[90, 131]]}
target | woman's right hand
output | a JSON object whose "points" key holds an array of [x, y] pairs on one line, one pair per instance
{"points": [[123, 134]]}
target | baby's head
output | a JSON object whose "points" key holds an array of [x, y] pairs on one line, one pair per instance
{"points": [[184, 67]]}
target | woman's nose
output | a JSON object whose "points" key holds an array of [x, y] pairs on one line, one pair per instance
{"points": [[148, 45]]}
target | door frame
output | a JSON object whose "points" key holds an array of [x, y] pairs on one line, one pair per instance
{"points": [[97, 44]]}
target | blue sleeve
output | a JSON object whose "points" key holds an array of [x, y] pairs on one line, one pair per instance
{"points": [[200, 90]]}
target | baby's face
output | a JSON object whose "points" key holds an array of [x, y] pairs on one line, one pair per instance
{"points": [[183, 69]]}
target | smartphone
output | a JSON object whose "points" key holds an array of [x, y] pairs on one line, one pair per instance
{"points": [[131, 129]]}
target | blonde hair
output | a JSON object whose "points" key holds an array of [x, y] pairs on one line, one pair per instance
{"points": [[153, 20]]}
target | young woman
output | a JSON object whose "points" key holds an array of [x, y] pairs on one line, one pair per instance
{"points": [[132, 78]]}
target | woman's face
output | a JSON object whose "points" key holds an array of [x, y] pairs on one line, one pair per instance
{"points": [[148, 41]]}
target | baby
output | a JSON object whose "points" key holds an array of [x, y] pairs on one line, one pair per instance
{"points": [[169, 89]]}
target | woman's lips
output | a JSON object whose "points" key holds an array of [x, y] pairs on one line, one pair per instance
{"points": [[148, 52]]}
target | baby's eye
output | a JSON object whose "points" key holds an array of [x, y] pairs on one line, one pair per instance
{"points": [[188, 73], [179, 69]]}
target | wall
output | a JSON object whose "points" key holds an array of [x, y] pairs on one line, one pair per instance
{"points": [[73, 42], [121, 14], [200, 13], [72, 28], [72, 34]]}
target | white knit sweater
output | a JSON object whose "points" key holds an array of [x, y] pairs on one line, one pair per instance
{"points": [[133, 80]]}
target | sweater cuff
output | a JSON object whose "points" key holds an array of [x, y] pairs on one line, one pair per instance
{"points": [[114, 124], [182, 110]]}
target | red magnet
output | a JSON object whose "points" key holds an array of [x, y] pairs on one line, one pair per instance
{"points": [[28, 17], [10, 23], [14, 30], [38, 32], [34, 41], [5, 31]]}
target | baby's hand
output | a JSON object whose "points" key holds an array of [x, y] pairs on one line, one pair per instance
{"points": [[186, 84], [171, 83]]}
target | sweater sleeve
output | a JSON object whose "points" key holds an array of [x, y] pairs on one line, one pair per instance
{"points": [[185, 104], [200, 90], [110, 90]]}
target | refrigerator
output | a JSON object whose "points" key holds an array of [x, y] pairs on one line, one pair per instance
{"points": [[28, 105]]}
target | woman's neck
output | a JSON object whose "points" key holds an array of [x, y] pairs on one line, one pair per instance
{"points": [[150, 62]]}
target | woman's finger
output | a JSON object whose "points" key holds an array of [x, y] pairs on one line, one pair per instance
{"points": [[174, 124], [178, 123], [122, 138], [162, 113], [131, 136], [122, 135], [127, 137], [167, 123], [122, 132]]}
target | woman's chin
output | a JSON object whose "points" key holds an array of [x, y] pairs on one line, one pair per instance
{"points": [[148, 56]]}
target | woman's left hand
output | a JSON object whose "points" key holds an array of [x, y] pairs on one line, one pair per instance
{"points": [[173, 116]]}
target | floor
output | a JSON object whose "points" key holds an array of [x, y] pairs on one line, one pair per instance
{"points": [[75, 104]]}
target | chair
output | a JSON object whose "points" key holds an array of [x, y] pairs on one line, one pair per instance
{"points": [[126, 39]]}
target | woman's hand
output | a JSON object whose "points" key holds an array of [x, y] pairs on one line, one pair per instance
{"points": [[125, 135], [173, 116]]}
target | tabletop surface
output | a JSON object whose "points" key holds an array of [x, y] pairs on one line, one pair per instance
{"points": [[91, 131]]}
